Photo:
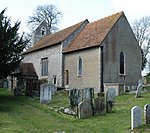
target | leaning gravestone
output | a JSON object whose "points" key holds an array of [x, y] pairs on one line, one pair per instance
{"points": [[136, 117], [139, 90], [147, 113], [45, 94], [85, 110], [110, 96]]}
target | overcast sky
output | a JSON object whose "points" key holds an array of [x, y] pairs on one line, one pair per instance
{"points": [[75, 11]]}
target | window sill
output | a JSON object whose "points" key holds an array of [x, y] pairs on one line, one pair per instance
{"points": [[122, 75], [44, 76]]}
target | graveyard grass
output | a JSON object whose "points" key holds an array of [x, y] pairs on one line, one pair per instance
{"points": [[21, 114]]}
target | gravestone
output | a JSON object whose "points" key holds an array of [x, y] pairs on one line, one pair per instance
{"points": [[147, 113], [85, 110], [45, 94], [53, 88], [76, 96], [136, 117], [99, 106], [110, 97], [139, 91], [140, 81], [85, 94]]}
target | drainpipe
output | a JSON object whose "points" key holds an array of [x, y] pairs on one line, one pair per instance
{"points": [[62, 66], [101, 70], [62, 82]]}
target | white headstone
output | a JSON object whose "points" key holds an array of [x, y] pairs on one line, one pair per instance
{"points": [[45, 93], [136, 117], [147, 113]]}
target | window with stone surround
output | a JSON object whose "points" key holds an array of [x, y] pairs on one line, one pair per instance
{"points": [[122, 63], [80, 66], [44, 67]]}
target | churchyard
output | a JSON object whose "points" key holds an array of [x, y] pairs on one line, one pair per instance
{"points": [[21, 114]]}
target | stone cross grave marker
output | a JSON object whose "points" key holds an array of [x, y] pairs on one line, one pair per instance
{"points": [[139, 90], [136, 117], [147, 113], [110, 96], [85, 110], [45, 94]]}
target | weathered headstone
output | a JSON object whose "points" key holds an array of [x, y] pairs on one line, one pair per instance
{"points": [[110, 96], [53, 88], [45, 94], [85, 94], [139, 90], [99, 106], [74, 97], [147, 113], [85, 110], [136, 117], [77, 96]]}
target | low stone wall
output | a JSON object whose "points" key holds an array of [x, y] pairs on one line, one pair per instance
{"points": [[120, 88]]}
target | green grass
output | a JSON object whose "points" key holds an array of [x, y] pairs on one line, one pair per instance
{"points": [[20, 114]]}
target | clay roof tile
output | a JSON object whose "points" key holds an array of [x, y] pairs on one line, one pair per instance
{"points": [[53, 39], [93, 33]]}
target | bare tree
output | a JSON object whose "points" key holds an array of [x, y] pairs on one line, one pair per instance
{"points": [[141, 29], [49, 13]]}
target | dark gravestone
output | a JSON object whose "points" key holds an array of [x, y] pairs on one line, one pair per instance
{"points": [[77, 96], [85, 110], [99, 106], [110, 96], [147, 113]]}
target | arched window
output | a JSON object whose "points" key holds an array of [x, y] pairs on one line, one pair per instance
{"points": [[80, 66], [122, 63], [43, 31]]}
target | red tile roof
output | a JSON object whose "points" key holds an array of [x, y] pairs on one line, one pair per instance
{"points": [[27, 69], [93, 33], [55, 38]]}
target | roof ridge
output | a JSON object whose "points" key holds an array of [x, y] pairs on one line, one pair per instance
{"points": [[61, 36], [99, 28], [118, 13]]}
